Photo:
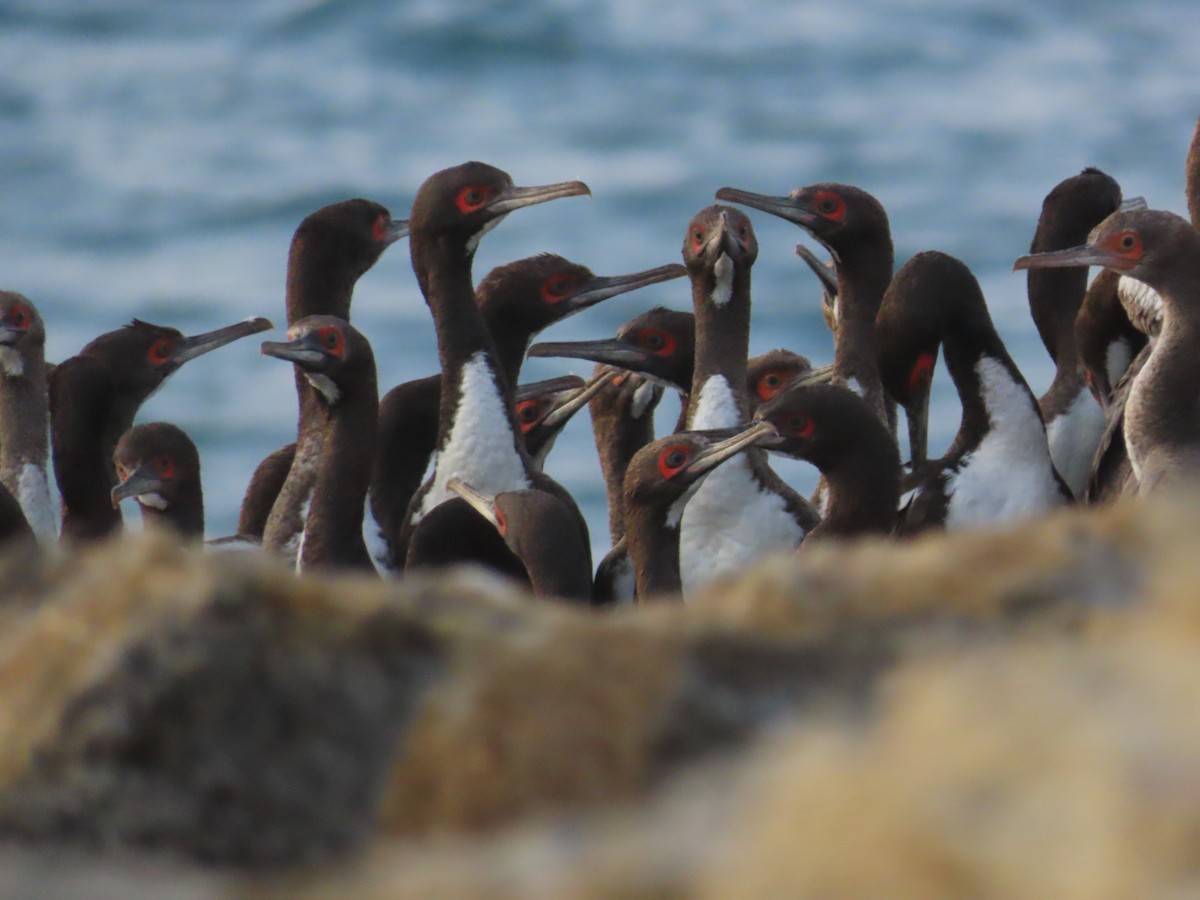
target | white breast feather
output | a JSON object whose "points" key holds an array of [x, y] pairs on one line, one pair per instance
{"points": [[11, 362], [323, 383], [1117, 358], [1009, 475], [730, 520], [480, 448], [1073, 438], [723, 289], [33, 493]]}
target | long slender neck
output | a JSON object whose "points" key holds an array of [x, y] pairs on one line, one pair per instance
{"points": [[722, 339], [619, 434], [81, 399], [443, 269], [864, 272], [510, 340], [318, 281], [333, 535], [654, 548], [24, 442], [965, 342], [864, 489], [1193, 177]]}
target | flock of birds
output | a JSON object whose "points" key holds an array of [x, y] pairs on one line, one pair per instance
{"points": [[449, 467]]}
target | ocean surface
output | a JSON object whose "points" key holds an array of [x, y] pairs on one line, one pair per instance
{"points": [[156, 157]]}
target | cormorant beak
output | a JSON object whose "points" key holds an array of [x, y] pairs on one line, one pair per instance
{"points": [[613, 351], [817, 375], [726, 442], [138, 482], [762, 433], [785, 207], [304, 351], [1085, 255], [827, 275], [514, 197], [198, 345], [478, 501], [9, 336], [597, 289], [397, 229], [1130, 203], [570, 402]]}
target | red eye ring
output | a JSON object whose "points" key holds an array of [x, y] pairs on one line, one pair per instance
{"points": [[501, 522], [332, 340], [770, 384], [556, 287], [164, 465], [19, 317], [473, 198], [657, 341], [672, 460], [801, 426], [160, 351], [379, 229], [921, 374], [830, 205], [528, 414]]}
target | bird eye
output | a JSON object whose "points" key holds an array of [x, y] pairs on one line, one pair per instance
{"points": [[697, 239], [379, 230], [473, 198], [672, 459], [160, 351], [164, 465], [556, 287], [331, 339], [19, 317], [801, 426], [657, 341], [830, 205], [527, 414]]}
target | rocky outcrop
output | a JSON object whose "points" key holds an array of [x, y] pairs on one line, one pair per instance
{"points": [[997, 713]]}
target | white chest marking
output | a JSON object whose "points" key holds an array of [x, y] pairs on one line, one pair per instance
{"points": [[723, 289], [33, 493], [731, 520], [642, 398], [298, 542], [11, 362], [1009, 475], [325, 385], [1117, 358], [480, 448], [1073, 438], [1140, 298], [473, 240]]}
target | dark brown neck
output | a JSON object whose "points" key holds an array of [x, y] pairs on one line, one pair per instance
{"points": [[184, 514], [654, 548], [618, 435], [864, 273], [333, 533], [318, 281], [81, 401], [722, 337], [24, 421]]}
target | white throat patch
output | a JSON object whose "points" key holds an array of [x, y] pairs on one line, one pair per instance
{"points": [[723, 289], [325, 385], [11, 362], [156, 501], [473, 240]]}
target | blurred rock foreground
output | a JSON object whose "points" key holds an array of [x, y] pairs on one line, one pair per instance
{"points": [[999, 714]]}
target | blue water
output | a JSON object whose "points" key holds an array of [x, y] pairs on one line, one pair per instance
{"points": [[156, 157]]}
